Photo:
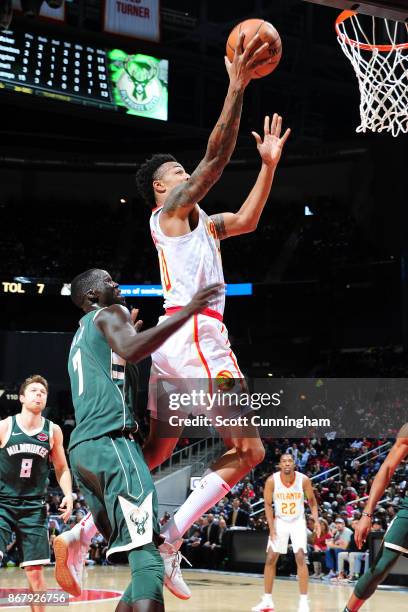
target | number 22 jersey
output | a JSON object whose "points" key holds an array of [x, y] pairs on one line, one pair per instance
{"points": [[289, 501]]}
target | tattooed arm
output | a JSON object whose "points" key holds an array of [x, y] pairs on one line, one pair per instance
{"points": [[221, 143], [246, 219]]}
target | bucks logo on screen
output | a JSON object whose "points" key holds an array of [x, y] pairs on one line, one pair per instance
{"points": [[139, 83]]}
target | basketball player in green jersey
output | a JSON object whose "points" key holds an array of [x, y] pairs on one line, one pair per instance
{"points": [[106, 461], [27, 443], [395, 541]]}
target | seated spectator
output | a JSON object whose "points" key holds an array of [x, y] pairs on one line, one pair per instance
{"points": [[98, 548], [339, 543], [354, 557], [219, 550], [191, 547], [208, 541], [319, 549], [237, 517]]}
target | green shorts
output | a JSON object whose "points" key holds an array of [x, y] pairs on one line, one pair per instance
{"points": [[396, 537], [116, 483], [28, 519]]}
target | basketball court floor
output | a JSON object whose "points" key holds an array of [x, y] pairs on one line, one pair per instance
{"points": [[212, 592]]}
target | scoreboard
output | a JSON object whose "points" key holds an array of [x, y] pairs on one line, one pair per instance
{"points": [[50, 66], [66, 70]]}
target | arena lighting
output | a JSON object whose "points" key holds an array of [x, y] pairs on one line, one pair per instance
{"points": [[6, 13], [31, 8]]}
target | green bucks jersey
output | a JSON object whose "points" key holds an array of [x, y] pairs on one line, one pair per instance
{"points": [[24, 463], [403, 510], [98, 384]]}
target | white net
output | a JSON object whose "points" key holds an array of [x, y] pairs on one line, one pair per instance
{"points": [[378, 51]]}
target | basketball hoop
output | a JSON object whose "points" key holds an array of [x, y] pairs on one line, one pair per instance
{"points": [[379, 56]]}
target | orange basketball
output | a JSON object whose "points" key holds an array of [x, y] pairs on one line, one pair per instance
{"points": [[267, 33]]}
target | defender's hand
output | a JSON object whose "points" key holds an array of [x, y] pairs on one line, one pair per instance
{"points": [[362, 530], [203, 297], [66, 507], [136, 324], [270, 149]]}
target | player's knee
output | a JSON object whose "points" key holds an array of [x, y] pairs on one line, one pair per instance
{"points": [[300, 557], [272, 559], [254, 453], [35, 577], [368, 583]]}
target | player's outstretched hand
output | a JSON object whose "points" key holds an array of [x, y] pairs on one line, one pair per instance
{"points": [[66, 507], [271, 147], [134, 313], [242, 68], [362, 530], [203, 297]]}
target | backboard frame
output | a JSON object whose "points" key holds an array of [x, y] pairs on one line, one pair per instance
{"points": [[397, 10]]}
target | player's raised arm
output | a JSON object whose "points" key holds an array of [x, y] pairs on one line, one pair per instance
{"points": [[270, 149], [119, 329], [223, 138]]}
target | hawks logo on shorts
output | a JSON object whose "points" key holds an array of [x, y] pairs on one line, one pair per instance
{"points": [[225, 380]]}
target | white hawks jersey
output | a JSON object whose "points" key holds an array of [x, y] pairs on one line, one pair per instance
{"points": [[289, 501], [190, 262]]}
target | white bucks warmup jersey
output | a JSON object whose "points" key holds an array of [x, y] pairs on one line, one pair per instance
{"points": [[190, 262], [289, 501]]}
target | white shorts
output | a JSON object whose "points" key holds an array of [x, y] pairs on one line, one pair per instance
{"points": [[295, 530], [199, 351]]}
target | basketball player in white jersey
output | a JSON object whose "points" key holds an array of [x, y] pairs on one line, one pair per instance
{"points": [[287, 490], [188, 245]]}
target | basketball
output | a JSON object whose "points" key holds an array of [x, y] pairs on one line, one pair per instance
{"points": [[267, 33]]}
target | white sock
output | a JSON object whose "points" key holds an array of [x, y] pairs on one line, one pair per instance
{"points": [[267, 596], [208, 492], [303, 597], [88, 528]]}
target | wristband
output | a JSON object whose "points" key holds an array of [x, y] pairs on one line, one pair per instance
{"points": [[367, 514]]}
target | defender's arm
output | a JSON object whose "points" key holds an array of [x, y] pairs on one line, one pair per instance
{"points": [[119, 329]]}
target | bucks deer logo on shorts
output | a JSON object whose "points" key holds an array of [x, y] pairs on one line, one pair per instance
{"points": [[140, 522], [139, 519]]}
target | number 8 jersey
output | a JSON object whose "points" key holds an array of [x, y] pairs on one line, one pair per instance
{"points": [[289, 500], [24, 463]]}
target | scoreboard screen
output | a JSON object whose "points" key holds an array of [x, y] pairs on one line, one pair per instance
{"points": [[47, 66]]}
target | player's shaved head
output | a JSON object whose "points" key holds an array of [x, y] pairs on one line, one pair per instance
{"points": [[285, 457], [147, 173], [83, 283]]}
